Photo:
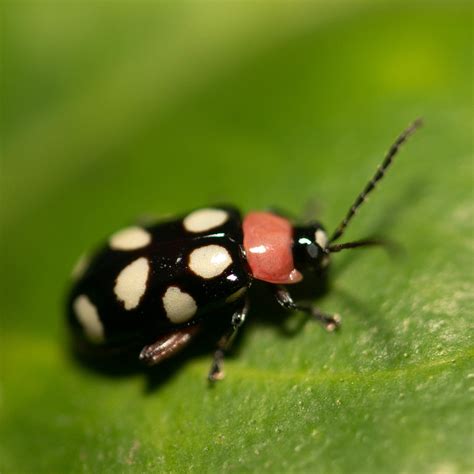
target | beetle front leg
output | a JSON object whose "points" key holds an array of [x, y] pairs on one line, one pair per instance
{"points": [[329, 321], [225, 343]]}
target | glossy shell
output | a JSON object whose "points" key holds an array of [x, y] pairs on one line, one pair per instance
{"points": [[148, 280]]}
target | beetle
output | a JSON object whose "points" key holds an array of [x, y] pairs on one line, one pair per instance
{"points": [[154, 287]]}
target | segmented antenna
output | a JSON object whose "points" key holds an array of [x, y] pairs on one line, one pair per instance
{"points": [[375, 179], [357, 243]]}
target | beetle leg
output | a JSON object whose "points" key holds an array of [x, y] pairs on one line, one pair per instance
{"points": [[329, 321], [168, 345], [225, 343]]}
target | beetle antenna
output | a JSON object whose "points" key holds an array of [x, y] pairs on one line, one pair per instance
{"points": [[357, 243], [369, 187]]}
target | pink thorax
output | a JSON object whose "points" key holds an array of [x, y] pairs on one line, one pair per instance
{"points": [[268, 241]]}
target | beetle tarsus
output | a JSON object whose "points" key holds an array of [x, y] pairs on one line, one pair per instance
{"points": [[216, 373], [330, 322]]}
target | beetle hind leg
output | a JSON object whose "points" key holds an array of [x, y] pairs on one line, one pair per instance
{"points": [[330, 322], [168, 345], [225, 343]]}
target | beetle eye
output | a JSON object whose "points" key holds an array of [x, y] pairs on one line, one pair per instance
{"points": [[313, 250]]}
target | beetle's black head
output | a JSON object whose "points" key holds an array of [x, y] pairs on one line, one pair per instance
{"points": [[309, 247]]}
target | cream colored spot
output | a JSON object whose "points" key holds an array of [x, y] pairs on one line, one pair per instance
{"points": [[237, 295], [209, 261], [321, 238], [130, 285], [80, 267], [205, 219], [131, 238], [88, 317], [179, 306]]}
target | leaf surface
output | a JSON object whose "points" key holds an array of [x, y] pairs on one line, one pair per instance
{"points": [[117, 110]]}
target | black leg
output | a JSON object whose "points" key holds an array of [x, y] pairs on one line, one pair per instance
{"points": [[225, 343], [330, 321]]}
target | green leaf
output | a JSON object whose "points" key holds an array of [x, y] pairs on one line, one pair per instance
{"points": [[113, 110]]}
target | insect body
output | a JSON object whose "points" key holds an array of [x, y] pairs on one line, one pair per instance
{"points": [[155, 287]]}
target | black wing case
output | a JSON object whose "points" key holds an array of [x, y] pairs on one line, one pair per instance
{"points": [[168, 260]]}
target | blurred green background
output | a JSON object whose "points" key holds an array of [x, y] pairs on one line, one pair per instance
{"points": [[116, 109]]}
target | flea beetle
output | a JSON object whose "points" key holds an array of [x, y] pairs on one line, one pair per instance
{"points": [[155, 287]]}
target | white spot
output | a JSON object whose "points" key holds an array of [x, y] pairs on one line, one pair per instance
{"points": [[237, 295], [131, 238], [80, 267], [321, 238], [179, 306], [209, 261], [130, 285], [88, 317], [204, 219]]}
